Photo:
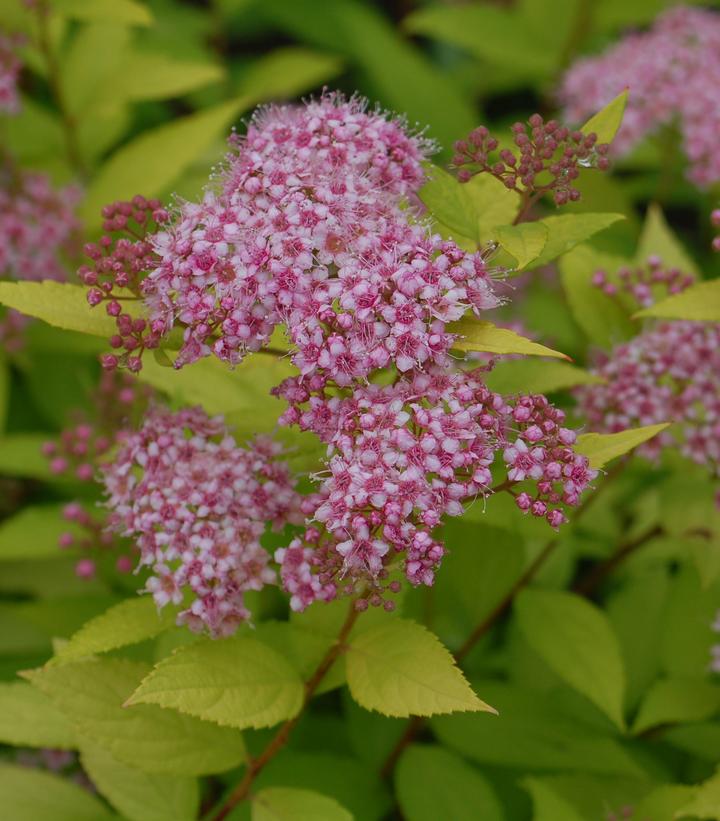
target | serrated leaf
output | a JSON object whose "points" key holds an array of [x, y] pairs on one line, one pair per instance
{"points": [[677, 700], [34, 795], [575, 639], [700, 302], [657, 239], [129, 622], [33, 533], [138, 795], [433, 783], [531, 376], [705, 803], [91, 694], [236, 682], [449, 202], [401, 669], [287, 804], [568, 230], [524, 242], [601, 448], [29, 719], [116, 11], [60, 304], [608, 120], [476, 335]]}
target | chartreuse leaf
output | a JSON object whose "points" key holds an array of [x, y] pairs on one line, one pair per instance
{"points": [[476, 335], [677, 700], [287, 804], [156, 76], [664, 802], [608, 120], [91, 693], [525, 242], [601, 448], [400, 668], [493, 203], [29, 719], [657, 239], [699, 302], [575, 639], [129, 622], [21, 455], [449, 202], [602, 319], [547, 804], [705, 803], [433, 783], [566, 231], [238, 682], [138, 795], [34, 795], [531, 376], [33, 533], [111, 11], [287, 72], [60, 304]]}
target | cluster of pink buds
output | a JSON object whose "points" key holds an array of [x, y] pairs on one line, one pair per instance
{"points": [[120, 260], [196, 505], [673, 73], [95, 541], [715, 220], [644, 284], [669, 372], [403, 456], [9, 73], [549, 160]]}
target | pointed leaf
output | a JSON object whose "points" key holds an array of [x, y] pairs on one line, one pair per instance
{"points": [[287, 804], [474, 335], [677, 700], [568, 230], [112, 11], [657, 239], [576, 640], [608, 120], [547, 804], [706, 802], [525, 242], [601, 448], [532, 376], [235, 682], [29, 719], [449, 202], [700, 302], [402, 669]]}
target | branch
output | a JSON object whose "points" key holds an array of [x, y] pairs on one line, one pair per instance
{"points": [[256, 765]]}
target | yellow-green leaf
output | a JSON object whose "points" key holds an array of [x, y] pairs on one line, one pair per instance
{"points": [[525, 242], [706, 802], [29, 719], [156, 76], [700, 302], [475, 335], [532, 376], [236, 682], [449, 202], [600, 448], [608, 120], [658, 239], [568, 230], [289, 804], [677, 700], [115, 11], [399, 668]]}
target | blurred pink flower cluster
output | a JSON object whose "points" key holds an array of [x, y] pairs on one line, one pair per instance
{"points": [[673, 74]]}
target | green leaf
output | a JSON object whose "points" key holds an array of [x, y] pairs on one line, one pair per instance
{"points": [[129, 622], [33, 533], [532, 376], [449, 202], [568, 230], [700, 302], [156, 76], [547, 804], [60, 304], [602, 319], [575, 639], [601, 448], [21, 455], [525, 242], [138, 795], [235, 682], [706, 802], [493, 203], [286, 72], [28, 719], [91, 693], [663, 803], [677, 700], [657, 239], [608, 120], [476, 335], [34, 795], [533, 731], [4, 390], [115, 11], [286, 804], [401, 669], [433, 783]]}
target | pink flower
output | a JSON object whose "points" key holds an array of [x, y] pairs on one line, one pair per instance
{"points": [[9, 72]]}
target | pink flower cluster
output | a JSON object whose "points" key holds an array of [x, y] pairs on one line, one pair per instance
{"points": [[94, 542], [550, 158], [673, 73], [644, 284], [310, 227], [9, 72], [715, 220], [196, 504], [668, 373], [403, 456]]}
